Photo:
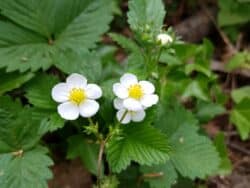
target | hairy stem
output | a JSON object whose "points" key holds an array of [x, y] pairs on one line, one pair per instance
{"points": [[99, 163]]}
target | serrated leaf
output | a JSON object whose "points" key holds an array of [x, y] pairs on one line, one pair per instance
{"points": [[190, 150], [10, 81], [194, 89], [88, 152], [85, 63], [125, 43], [38, 91], [29, 170], [18, 129], [240, 117], [160, 176], [50, 122], [144, 12], [137, 142], [36, 32]]}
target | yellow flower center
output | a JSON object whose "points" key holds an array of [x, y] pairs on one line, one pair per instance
{"points": [[77, 95], [135, 91]]}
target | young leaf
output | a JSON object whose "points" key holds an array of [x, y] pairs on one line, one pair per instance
{"points": [[10, 81], [239, 94], [37, 32], [240, 116], [144, 12], [137, 142], [29, 170], [88, 152], [38, 91]]}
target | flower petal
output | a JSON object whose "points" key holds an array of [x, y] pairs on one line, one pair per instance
{"points": [[120, 91], [132, 104], [128, 79], [93, 91], [76, 81], [89, 108], [118, 103], [60, 92], [68, 111], [138, 115], [149, 100], [148, 88], [126, 119]]}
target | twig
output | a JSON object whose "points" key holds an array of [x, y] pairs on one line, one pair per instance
{"points": [[239, 148]]}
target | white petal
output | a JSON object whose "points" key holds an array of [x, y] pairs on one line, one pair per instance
{"points": [[60, 92], [132, 104], [128, 79], [68, 111], [120, 91], [149, 100], [118, 103], [148, 88], [89, 108], [138, 115], [93, 91], [126, 119], [76, 81]]}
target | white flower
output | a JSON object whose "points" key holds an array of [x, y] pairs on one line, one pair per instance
{"points": [[76, 97], [125, 116], [136, 95], [164, 38]]}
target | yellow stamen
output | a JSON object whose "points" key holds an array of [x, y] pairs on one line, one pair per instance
{"points": [[77, 95], [135, 91]]}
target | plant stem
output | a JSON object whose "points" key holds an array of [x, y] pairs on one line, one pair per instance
{"points": [[99, 163]]}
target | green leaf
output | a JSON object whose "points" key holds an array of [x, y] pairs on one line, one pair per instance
{"points": [[38, 91], [29, 170], [85, 63], [240, 117], [242, 93], [225, 167], [88, 152], [239, 60], [137, 142], [162, 176], [194, 89], [10, 81], [125, 43], [18, 129], [190, 151], [143, 13], [35, 32], [206, 111]]}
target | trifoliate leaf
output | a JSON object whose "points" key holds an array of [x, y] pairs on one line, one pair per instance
{"points": [[10, 81], [28, 170], [38, 91], [144, 13], [137, 142], [240, 117], [35, 32], [18, 129], [88, 152]]}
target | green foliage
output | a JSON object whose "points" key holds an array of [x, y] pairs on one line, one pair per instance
{"points": [[88, 152], [137, 142], [10, 81], [18, 129], [240, 116], [225, 167], [35, 33], [28, 170], [146, 15], [239, 94], [239, 60]]}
